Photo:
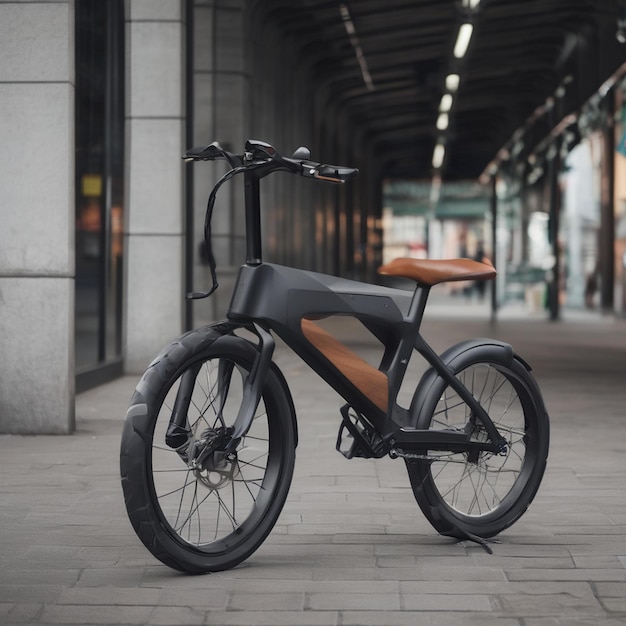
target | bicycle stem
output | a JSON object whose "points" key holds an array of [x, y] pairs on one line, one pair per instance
{"points": [[252, 196]]}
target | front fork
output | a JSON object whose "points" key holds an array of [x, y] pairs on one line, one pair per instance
{"points": [[253, 386], [179, 434]]}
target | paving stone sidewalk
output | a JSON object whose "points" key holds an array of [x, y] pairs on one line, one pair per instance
{"points": [[351, 547]]}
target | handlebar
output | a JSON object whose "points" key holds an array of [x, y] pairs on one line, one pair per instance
{"points": [[264, 158], [258, 160]]}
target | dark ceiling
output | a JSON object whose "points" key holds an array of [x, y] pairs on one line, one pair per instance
{"points": [[519, 53]]}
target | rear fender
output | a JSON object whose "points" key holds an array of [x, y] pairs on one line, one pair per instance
{"points": [[456, 358]]}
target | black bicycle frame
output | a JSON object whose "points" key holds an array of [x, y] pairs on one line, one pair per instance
{"points": [[277, 298]]}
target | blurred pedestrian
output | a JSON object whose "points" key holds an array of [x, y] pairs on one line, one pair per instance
{"points": [[480, 285]]}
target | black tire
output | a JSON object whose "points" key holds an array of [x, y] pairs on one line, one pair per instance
{"points": [[462, 496], [209, 519]]}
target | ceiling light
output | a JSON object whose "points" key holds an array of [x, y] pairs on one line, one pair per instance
{"points": [[446, 103], [438, 155], [463, 39], [452, 82], [620, 35], [354, 40], [442, 121], [470, 4]]}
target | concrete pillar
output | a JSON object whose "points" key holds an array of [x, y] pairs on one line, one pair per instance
{"points": [[37, 217], [154, 290], [554, 304], [221, 111]]}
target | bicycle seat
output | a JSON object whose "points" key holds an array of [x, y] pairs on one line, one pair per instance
{"points": [[434, 271]]}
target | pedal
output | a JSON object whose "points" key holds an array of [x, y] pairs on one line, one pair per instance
{"points": [[357, 438]]}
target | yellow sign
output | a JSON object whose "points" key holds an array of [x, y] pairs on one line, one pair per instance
{"points": [[92, 185]]}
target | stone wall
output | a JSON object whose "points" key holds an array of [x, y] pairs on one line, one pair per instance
{"points": [[37, 224]]}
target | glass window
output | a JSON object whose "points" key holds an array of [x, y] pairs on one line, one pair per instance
{"points": [[99, 182]]}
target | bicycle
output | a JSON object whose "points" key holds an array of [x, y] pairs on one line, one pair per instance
{"points": [[209, 440]]}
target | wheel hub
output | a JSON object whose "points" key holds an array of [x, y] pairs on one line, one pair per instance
{"points": [[211, 464]]}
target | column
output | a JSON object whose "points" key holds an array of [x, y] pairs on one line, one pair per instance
{"points": [[37, 208], [154, 287], [221, 102]]}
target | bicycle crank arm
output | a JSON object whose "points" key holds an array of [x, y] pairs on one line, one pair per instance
{"points": [[253, 387], [440, 440]]}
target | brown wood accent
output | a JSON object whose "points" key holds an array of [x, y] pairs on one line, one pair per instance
{"points": [[433, 271], [367, 379]]}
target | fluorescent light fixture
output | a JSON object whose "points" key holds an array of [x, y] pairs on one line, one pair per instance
{"points": [[463, 39], [354, 40], [438, 154], [442, 121], [446, 103], [452, 82], [470, 4], [347, 19]]}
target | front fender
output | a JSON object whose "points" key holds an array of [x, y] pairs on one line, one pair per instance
{"points": [[171, 358]]}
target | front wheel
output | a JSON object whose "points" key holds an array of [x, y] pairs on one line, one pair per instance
{"points": [[194, 503], [481, 494]]}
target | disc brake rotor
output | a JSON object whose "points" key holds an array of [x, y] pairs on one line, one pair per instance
{"points": [[211, 466]]}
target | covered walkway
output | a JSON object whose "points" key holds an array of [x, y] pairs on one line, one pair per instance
{"points": [[351, 547]]}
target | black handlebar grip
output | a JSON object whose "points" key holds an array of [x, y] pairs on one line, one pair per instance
{"points": [[205, 153], [336, 173], [330, 173]]}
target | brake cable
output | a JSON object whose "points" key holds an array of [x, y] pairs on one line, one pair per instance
{"points": [[197, 295]]}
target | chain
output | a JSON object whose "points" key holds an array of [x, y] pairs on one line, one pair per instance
{"points": [[394, 453]]}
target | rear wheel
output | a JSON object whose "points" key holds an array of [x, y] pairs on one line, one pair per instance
{"points": [[482, 493], [196, 506]]}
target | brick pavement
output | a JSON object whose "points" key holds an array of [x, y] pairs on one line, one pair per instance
{"points": [[351, 547]]}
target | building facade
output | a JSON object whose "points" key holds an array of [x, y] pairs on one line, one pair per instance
{"points": [[102, 221], [101, 234]]}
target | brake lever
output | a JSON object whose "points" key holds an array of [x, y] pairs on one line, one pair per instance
{"points": [[256, 149], [205, 153], [329, 173], [210, 153]]}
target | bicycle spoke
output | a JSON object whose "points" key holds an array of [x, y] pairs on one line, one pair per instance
{"points": [[478, 486], [203, 506]]}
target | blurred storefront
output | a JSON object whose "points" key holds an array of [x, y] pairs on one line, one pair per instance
{"points": [[557, 216], [423, 219]]}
